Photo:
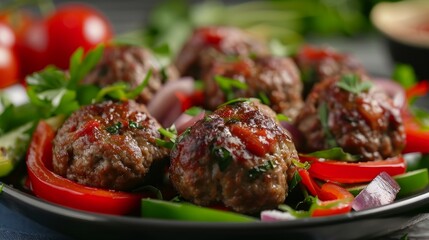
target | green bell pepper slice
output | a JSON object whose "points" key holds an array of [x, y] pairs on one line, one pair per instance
{"points": [[412, 182], [152, 208]]}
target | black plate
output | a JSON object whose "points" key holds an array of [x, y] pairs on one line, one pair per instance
{"points": [[355, 225]]}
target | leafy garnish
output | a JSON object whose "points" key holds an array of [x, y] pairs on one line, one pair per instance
{"points": [[282, 118], [229, 85], [404, 74], [171, 135], [115, 128], [194, 111], [303, 165], [80, 65], [222, 156], [324, 115], [234, 101], [296, 179], [353, 83], [421, 116], [336, 153], [264, 98], [257, 171]]}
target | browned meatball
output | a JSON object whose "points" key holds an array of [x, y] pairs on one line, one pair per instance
{"points": [[237, 156], [108, 145], [318, 63], [276, 78], [366, 123], [130, 64], [206, 43]]}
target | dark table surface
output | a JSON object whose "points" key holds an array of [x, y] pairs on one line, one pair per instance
{"points": [[369, 49]]}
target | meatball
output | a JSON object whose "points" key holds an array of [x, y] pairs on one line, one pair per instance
{"points": [[276, 78], [237, 156], [206, 43], [130, 64], [108, 145], [318, 63], [364, 123]]}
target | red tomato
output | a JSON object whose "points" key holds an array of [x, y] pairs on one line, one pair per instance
{"points": [[32, 48], [8, 67], [72, 26], [7, 36], [54, 188]]}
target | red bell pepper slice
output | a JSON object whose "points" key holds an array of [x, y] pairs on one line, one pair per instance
{"points": [[417, 139], [54, 188], [334, 199], [346, 172]]}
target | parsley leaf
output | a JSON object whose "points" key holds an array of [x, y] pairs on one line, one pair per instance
{"points": [[335, 153], [353, 84], [228, 85], [404, 74]]}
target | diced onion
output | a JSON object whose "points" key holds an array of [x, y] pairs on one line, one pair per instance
{"points": [[184, 121], [275, 215], [380, 191], [165, 106], [393, 89], [296, 135]]}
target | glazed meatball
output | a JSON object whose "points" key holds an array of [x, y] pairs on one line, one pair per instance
{"points": [[206, 43], [318, 63], [108, 145], [237, 155], [365, 123], [130, 64], [276, 78]]}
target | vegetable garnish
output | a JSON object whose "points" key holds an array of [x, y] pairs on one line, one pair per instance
{"points": [[353, 83], [171, 135], [234, 101], [380, 191], [256, 171], [222, 156], [349, 172], [151, 208], [324, 115], [49, 186], [229, 85], [335, 153]]}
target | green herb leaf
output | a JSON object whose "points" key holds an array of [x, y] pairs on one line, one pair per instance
{"points": [[135, 92], [234, 101], [283, 118], [171, 134], [264, 98], [404, 74], [115, 128], [353, 83], [293, 212], [324, 115], [222, 156], [257, 171], [303, 165], [421, 116], [194, 111], [296, 179], [335, 153], [80, 66], [229, 85]]}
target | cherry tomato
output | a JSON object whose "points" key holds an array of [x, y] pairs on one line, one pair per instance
{"points": [[7, 36], [8, 67], [32, 48], [72, 26]]}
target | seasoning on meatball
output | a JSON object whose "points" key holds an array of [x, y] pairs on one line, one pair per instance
{"points": [[346, 111], [318, 63], [130, 64], [237, 155], [275, 79], [206, 43], [108, 145]]}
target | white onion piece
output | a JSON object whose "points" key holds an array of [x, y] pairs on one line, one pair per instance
{"points": [[164, 105], [184, 121], [393, 89], [275, 215], [380, 191]]}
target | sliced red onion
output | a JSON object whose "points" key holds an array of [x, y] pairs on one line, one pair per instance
{"points": [[296, 135], [275, 215], [380, 191], [393, 89], [184, 121], [165, 106]]}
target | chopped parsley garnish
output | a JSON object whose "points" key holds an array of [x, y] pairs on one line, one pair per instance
{"points": [[222, 156], [135, 125], [264, 98], [282, 118], [229, 85], [257, 171], [335, 153], [194, 111], [353, 83], [234, 101], [323, 115], [115, 128], [171, 134], [296, 179]]}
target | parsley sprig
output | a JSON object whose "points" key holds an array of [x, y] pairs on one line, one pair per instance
{"points": [[353, 84]]}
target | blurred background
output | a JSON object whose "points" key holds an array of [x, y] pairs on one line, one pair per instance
{"points": [[286, 24]]}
